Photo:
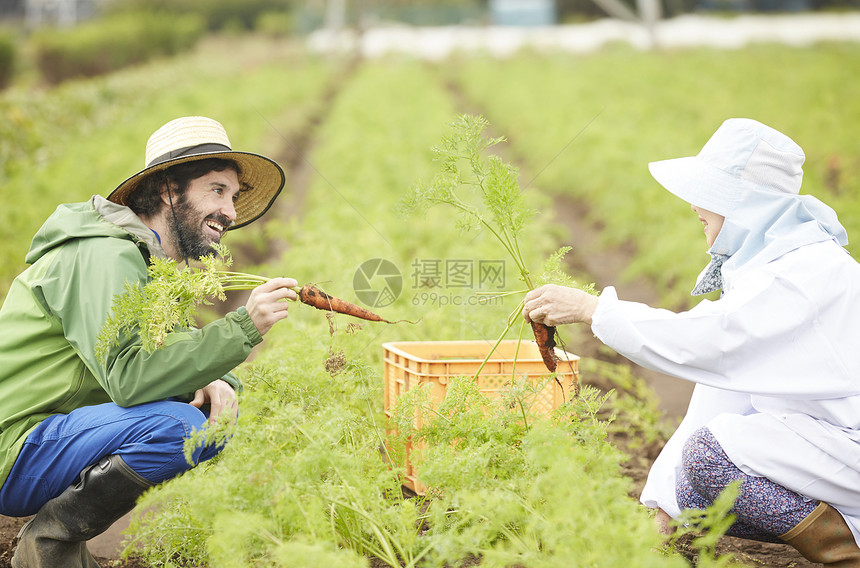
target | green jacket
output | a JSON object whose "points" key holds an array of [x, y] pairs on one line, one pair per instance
{"points": [[79, 260]]}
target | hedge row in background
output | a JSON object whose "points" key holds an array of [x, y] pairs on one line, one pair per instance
{"points": [[83, 137], [7, 59], [112, 43], [216, 14]]}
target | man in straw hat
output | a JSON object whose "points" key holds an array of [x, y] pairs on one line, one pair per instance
{"points": [[775, 359], [82, 439]]}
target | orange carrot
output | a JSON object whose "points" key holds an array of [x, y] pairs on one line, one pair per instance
{"points": [[545, 338], [313, 296]]}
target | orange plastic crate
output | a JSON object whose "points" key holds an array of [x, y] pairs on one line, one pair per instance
{"points": [[410, 364]]}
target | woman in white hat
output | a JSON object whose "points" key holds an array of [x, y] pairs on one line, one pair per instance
{"points": [[775, 360], [83, 438]]}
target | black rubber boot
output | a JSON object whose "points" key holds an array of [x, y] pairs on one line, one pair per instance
{"points": [[56, 537]]}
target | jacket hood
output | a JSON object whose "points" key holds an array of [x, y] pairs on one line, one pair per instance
{"points": [[97, 217]]}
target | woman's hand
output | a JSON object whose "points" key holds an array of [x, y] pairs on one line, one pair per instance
{"points": [[266, 304], [555, 305], [221, 399]]}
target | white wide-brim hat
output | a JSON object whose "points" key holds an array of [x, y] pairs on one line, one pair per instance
{"points": [[193, 138], [743, 155]]}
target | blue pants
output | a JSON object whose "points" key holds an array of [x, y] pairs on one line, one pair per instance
{"points": [[149, 437]]}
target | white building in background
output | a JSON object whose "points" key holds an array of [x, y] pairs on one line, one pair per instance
{"points": [[522, 12], [62, 13]]}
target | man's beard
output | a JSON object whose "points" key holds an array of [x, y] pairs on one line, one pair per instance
{"points": [[187, 230]]}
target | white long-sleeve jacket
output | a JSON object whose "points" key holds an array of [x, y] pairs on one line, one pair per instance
{"points": [[777, 365]]}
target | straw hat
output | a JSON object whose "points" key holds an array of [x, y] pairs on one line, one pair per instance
{"points": [[196, 138]]}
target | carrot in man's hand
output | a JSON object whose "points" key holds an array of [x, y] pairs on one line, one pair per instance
{"points": [[313, 296]]}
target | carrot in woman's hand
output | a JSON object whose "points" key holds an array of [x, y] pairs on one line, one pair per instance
{"points": [[545, 338]]}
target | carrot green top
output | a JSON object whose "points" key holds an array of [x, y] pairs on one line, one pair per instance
{"points": [[80, 259]]}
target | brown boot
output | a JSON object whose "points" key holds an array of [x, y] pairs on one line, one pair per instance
{"points": [[823, 536]]}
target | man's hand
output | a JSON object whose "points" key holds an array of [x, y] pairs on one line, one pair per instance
{"points": [[266, 304], [221, 399], [554, 305]]}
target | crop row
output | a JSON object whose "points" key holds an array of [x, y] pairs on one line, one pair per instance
{"points": [[634, 108], [323, 494], [302, 481], [654, 106]]}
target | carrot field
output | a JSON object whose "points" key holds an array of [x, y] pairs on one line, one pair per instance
{"points": [[304, 480]]}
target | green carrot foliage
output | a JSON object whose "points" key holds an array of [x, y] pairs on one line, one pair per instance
{"points": [[502, 209], [700, 530], [170, 299], [306, 480]]}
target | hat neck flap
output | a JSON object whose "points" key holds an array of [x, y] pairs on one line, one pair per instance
{"points": [[769, 224]]}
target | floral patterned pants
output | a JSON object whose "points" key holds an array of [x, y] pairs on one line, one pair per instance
{"points": [[763, 508]]}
